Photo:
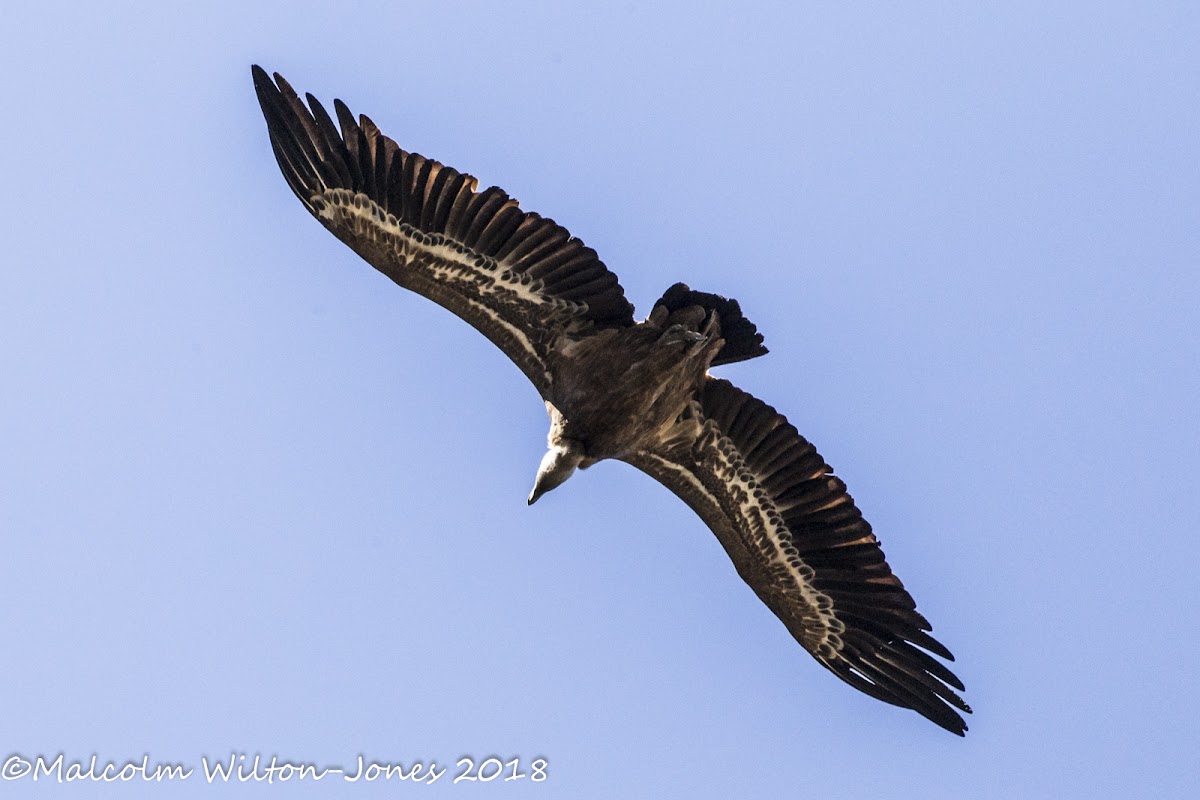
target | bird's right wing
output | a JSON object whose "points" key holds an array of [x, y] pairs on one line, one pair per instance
{"points": [[795, 536], [517, 277]]}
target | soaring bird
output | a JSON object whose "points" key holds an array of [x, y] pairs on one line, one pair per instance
{"points": [[635, 391]]}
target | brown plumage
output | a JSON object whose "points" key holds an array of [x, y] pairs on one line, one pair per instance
{"points": [[635, 391]]}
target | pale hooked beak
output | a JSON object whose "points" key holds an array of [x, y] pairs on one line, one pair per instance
{"points": [[557, 465]]}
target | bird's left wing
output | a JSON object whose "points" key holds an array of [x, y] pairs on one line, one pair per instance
{"points": [[795, 536], [517, 277]]}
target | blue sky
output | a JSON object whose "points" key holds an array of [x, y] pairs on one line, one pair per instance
{"points": [[256, 499]]}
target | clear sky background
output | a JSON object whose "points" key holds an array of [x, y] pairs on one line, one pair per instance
{"points": [[256, 499]]}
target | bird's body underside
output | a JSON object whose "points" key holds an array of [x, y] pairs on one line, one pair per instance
{"points": [[617, 391], [615, 388]]}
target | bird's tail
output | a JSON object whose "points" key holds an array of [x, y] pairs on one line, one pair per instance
{"points": [[742, 339]]}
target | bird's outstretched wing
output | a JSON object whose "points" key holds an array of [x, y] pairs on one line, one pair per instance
{"points": [[796, 537], [517, 277]]}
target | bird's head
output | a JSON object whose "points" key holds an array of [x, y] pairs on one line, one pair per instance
{"points": [[557, 465]]}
